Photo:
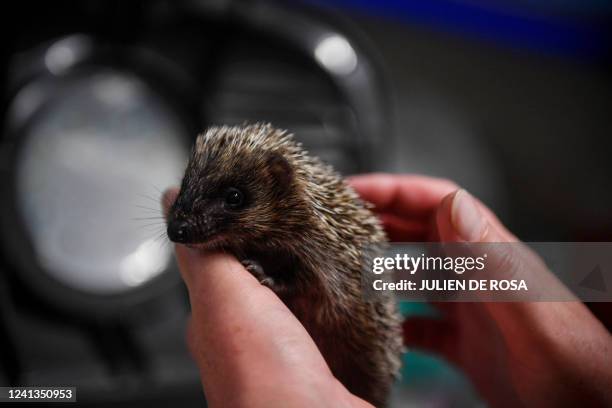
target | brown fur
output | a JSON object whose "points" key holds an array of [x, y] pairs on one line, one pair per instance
{"points": [[310, 232]]}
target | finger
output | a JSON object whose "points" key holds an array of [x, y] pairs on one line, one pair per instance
{"points": [[402, 230], [232, 316], [402, 195], [168, 199], [461, 219]]}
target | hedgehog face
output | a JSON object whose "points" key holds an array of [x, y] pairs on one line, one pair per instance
{"points": [[233, 200]]}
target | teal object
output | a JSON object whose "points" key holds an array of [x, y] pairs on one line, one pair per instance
{"points": [[428, 379], [417, 309]]}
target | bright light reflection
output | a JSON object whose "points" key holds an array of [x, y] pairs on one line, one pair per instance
{"points": [[336, 54], [65, 53], [146, 262]]}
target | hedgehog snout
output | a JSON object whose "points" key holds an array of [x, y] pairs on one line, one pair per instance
{"points": [[180, 231], [185, 229]]}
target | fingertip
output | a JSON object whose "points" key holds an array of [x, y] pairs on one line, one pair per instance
{"points": [[364, 177], [168, 198], [444, 222], [366, 183], [408, 196], [467, 220], [462, 218]]}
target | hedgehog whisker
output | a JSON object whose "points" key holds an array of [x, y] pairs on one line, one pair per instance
{"points": [[148, 197], [148, 226], [156, 210]]}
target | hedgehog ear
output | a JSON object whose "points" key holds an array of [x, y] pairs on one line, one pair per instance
{"points": [[280, 171]]}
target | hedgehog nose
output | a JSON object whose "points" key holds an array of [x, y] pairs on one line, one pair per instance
{"points": [[179, 231]]}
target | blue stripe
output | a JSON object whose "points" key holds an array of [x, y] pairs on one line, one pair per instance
{"points": [[587, 37]]}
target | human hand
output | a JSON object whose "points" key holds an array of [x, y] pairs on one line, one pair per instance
{"points": [[521, 353], [250, 349]]}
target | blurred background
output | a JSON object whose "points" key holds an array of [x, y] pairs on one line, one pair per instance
{"points": [[101, 101]]}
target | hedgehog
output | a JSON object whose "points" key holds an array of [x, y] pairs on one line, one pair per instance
{"points": [[302, 231]]}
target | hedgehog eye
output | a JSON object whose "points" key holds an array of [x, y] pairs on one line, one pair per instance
{"points": [[234, 198]]}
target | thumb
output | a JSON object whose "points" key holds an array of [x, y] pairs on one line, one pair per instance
{"points": [[241, 334], [462, 218]]}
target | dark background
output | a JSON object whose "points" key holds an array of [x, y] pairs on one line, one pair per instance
{"points": [[512, 100]]}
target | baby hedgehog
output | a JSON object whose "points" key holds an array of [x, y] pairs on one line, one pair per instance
{"points": [[303, 232]]}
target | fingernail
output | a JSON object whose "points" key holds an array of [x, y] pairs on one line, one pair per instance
{"points": [[467, 219]]}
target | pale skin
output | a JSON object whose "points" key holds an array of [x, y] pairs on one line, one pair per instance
{"points": [[253, 352]]}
